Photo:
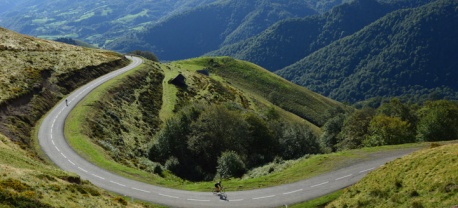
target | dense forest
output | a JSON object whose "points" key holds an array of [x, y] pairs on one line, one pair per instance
{"points": [[408, 53], [288, 41]]}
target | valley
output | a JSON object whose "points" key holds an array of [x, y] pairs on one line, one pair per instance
{"points": [[346, 102]]}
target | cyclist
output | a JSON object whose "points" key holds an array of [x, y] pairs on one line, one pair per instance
{"points": [[218, 186]]}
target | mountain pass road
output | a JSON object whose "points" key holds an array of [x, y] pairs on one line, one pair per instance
{"points": [[53, 143]]}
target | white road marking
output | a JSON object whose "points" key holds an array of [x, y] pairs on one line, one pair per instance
{"points": [[141, 190], [263, 197], [236, 200], [199, 200], [63, 155], [175, 197], [319, 184], [82, 169], [343, 177], [52, 141], [292, 192], [118, 184], [366, 170], [98, 176], [71, 162], [57, 148]]}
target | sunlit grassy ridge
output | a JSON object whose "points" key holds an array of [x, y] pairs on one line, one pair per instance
{"points": [[427, 178], [26, 60], [259, 82]]}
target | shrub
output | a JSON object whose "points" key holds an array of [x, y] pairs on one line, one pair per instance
{"points": [[386, 130], [230, 165]]}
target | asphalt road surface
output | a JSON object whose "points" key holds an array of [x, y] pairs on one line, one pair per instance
{"points": [[53, 143]]}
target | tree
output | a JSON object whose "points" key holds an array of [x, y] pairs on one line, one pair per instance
{"points": [[355, 129], [331, 129], [386, 130], [263, 146], [297, 141], [217, 130], [438, 121]]}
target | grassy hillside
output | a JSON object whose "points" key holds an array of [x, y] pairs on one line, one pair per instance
{"points": [[28, 182], [428, 178], [260, 83], [36, 74], [407, 53]]}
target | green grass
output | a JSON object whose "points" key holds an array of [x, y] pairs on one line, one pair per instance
{"points": [[27, 58], [319, 202], [92, 152], [427, 178], [255, 80], [169, 99]]}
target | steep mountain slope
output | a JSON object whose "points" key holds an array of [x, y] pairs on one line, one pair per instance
{"points": [[36, 73], [95, 22], [407, 53], [198, 31], [428, 178], [291, 40]]}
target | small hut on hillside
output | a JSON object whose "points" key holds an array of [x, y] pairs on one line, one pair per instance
{"points": [[179, 81]]}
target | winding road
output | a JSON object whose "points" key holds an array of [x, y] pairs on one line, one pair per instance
{"points": [[53, 143]]}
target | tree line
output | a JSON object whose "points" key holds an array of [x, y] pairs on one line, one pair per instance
{"points": [[392, 123], [202, 142]]}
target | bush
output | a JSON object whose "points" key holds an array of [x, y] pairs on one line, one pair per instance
{"points": [[385, 130], [297, 141], [230, 165]]}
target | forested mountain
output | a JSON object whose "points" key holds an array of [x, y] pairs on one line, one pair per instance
{"points": [[409, 52], [95, 22], [203, 29], [290, 40], [99, 23]]}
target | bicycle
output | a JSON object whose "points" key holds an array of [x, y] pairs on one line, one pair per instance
{"points": [[221, 193]]}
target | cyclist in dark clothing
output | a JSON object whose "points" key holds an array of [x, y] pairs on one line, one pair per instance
{"points": [[218, 186]]}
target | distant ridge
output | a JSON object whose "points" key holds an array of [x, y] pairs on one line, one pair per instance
{"points": [[409, 53]]}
